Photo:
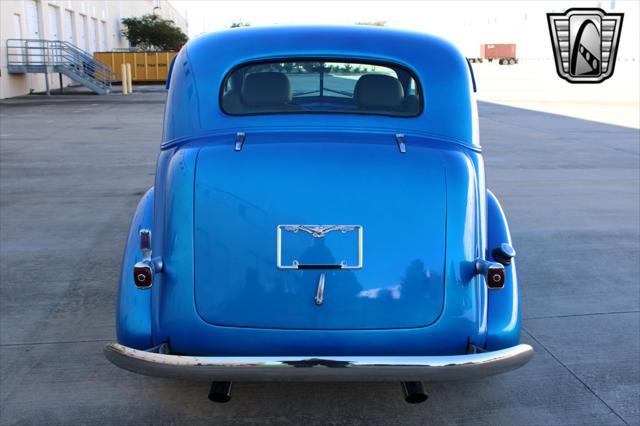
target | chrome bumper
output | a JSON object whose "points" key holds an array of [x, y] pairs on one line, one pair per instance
{"points": [[324, 368]]}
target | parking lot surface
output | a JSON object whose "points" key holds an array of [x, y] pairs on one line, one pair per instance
{"points": [[73, 167]]}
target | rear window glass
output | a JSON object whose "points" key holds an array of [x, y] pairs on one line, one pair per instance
{"points": [[321, 87]]}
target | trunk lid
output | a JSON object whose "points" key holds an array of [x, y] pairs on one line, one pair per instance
{"points": [[242, 199]]}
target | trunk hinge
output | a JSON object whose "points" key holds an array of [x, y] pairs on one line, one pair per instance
{"points": [[400, 141], [239, 140]]}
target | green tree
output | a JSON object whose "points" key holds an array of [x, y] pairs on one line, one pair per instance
{"points": [[288, 67], [152, 32], [312, 67]]}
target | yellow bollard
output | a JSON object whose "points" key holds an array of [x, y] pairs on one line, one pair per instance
{"points": [[129, 79], [123, 77]]}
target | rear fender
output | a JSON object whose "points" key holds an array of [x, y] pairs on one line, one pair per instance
{"points": [[133, 317], [503, 316]]}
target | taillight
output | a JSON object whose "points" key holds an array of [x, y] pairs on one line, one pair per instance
{"points": [[495, 277], [493, 273]]}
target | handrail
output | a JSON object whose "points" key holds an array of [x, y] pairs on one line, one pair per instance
{"points": [[37, 53]]}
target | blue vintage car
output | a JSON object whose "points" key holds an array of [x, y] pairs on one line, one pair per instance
{"points": [[319, 213]]}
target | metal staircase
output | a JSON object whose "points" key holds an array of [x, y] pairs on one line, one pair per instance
{"points": [[55, 56]]}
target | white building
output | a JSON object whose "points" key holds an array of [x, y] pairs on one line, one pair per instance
{"points": [[90, 25]]}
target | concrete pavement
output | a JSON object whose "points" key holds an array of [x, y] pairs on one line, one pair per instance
{"points": [[72, 169]]}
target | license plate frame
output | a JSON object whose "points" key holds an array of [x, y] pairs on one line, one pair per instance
{"points": [[319, 231]]}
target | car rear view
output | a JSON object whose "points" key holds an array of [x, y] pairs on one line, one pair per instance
{"points": [[319, 213]]}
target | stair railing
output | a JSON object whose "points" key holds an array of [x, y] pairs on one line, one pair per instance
{"points": [[47, 55]]}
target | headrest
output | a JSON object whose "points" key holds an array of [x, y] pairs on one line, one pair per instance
{"points": [[266, 89], [377, 91]]}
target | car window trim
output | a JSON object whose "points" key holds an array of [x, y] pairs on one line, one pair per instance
{"points": [[344, 59]]}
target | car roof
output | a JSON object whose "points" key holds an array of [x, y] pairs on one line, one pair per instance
{"points": [[442, 71]]}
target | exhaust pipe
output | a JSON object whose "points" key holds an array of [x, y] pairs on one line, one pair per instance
{"points": [[220, 391], [414, 392]]}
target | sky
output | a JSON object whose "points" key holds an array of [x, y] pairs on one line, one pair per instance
{"points": [[466, 23]]}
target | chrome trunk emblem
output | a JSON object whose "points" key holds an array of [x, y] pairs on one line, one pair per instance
{"points": [[319, 231]]}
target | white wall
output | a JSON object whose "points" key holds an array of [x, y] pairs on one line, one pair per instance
{"points": [[95, 25]]}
